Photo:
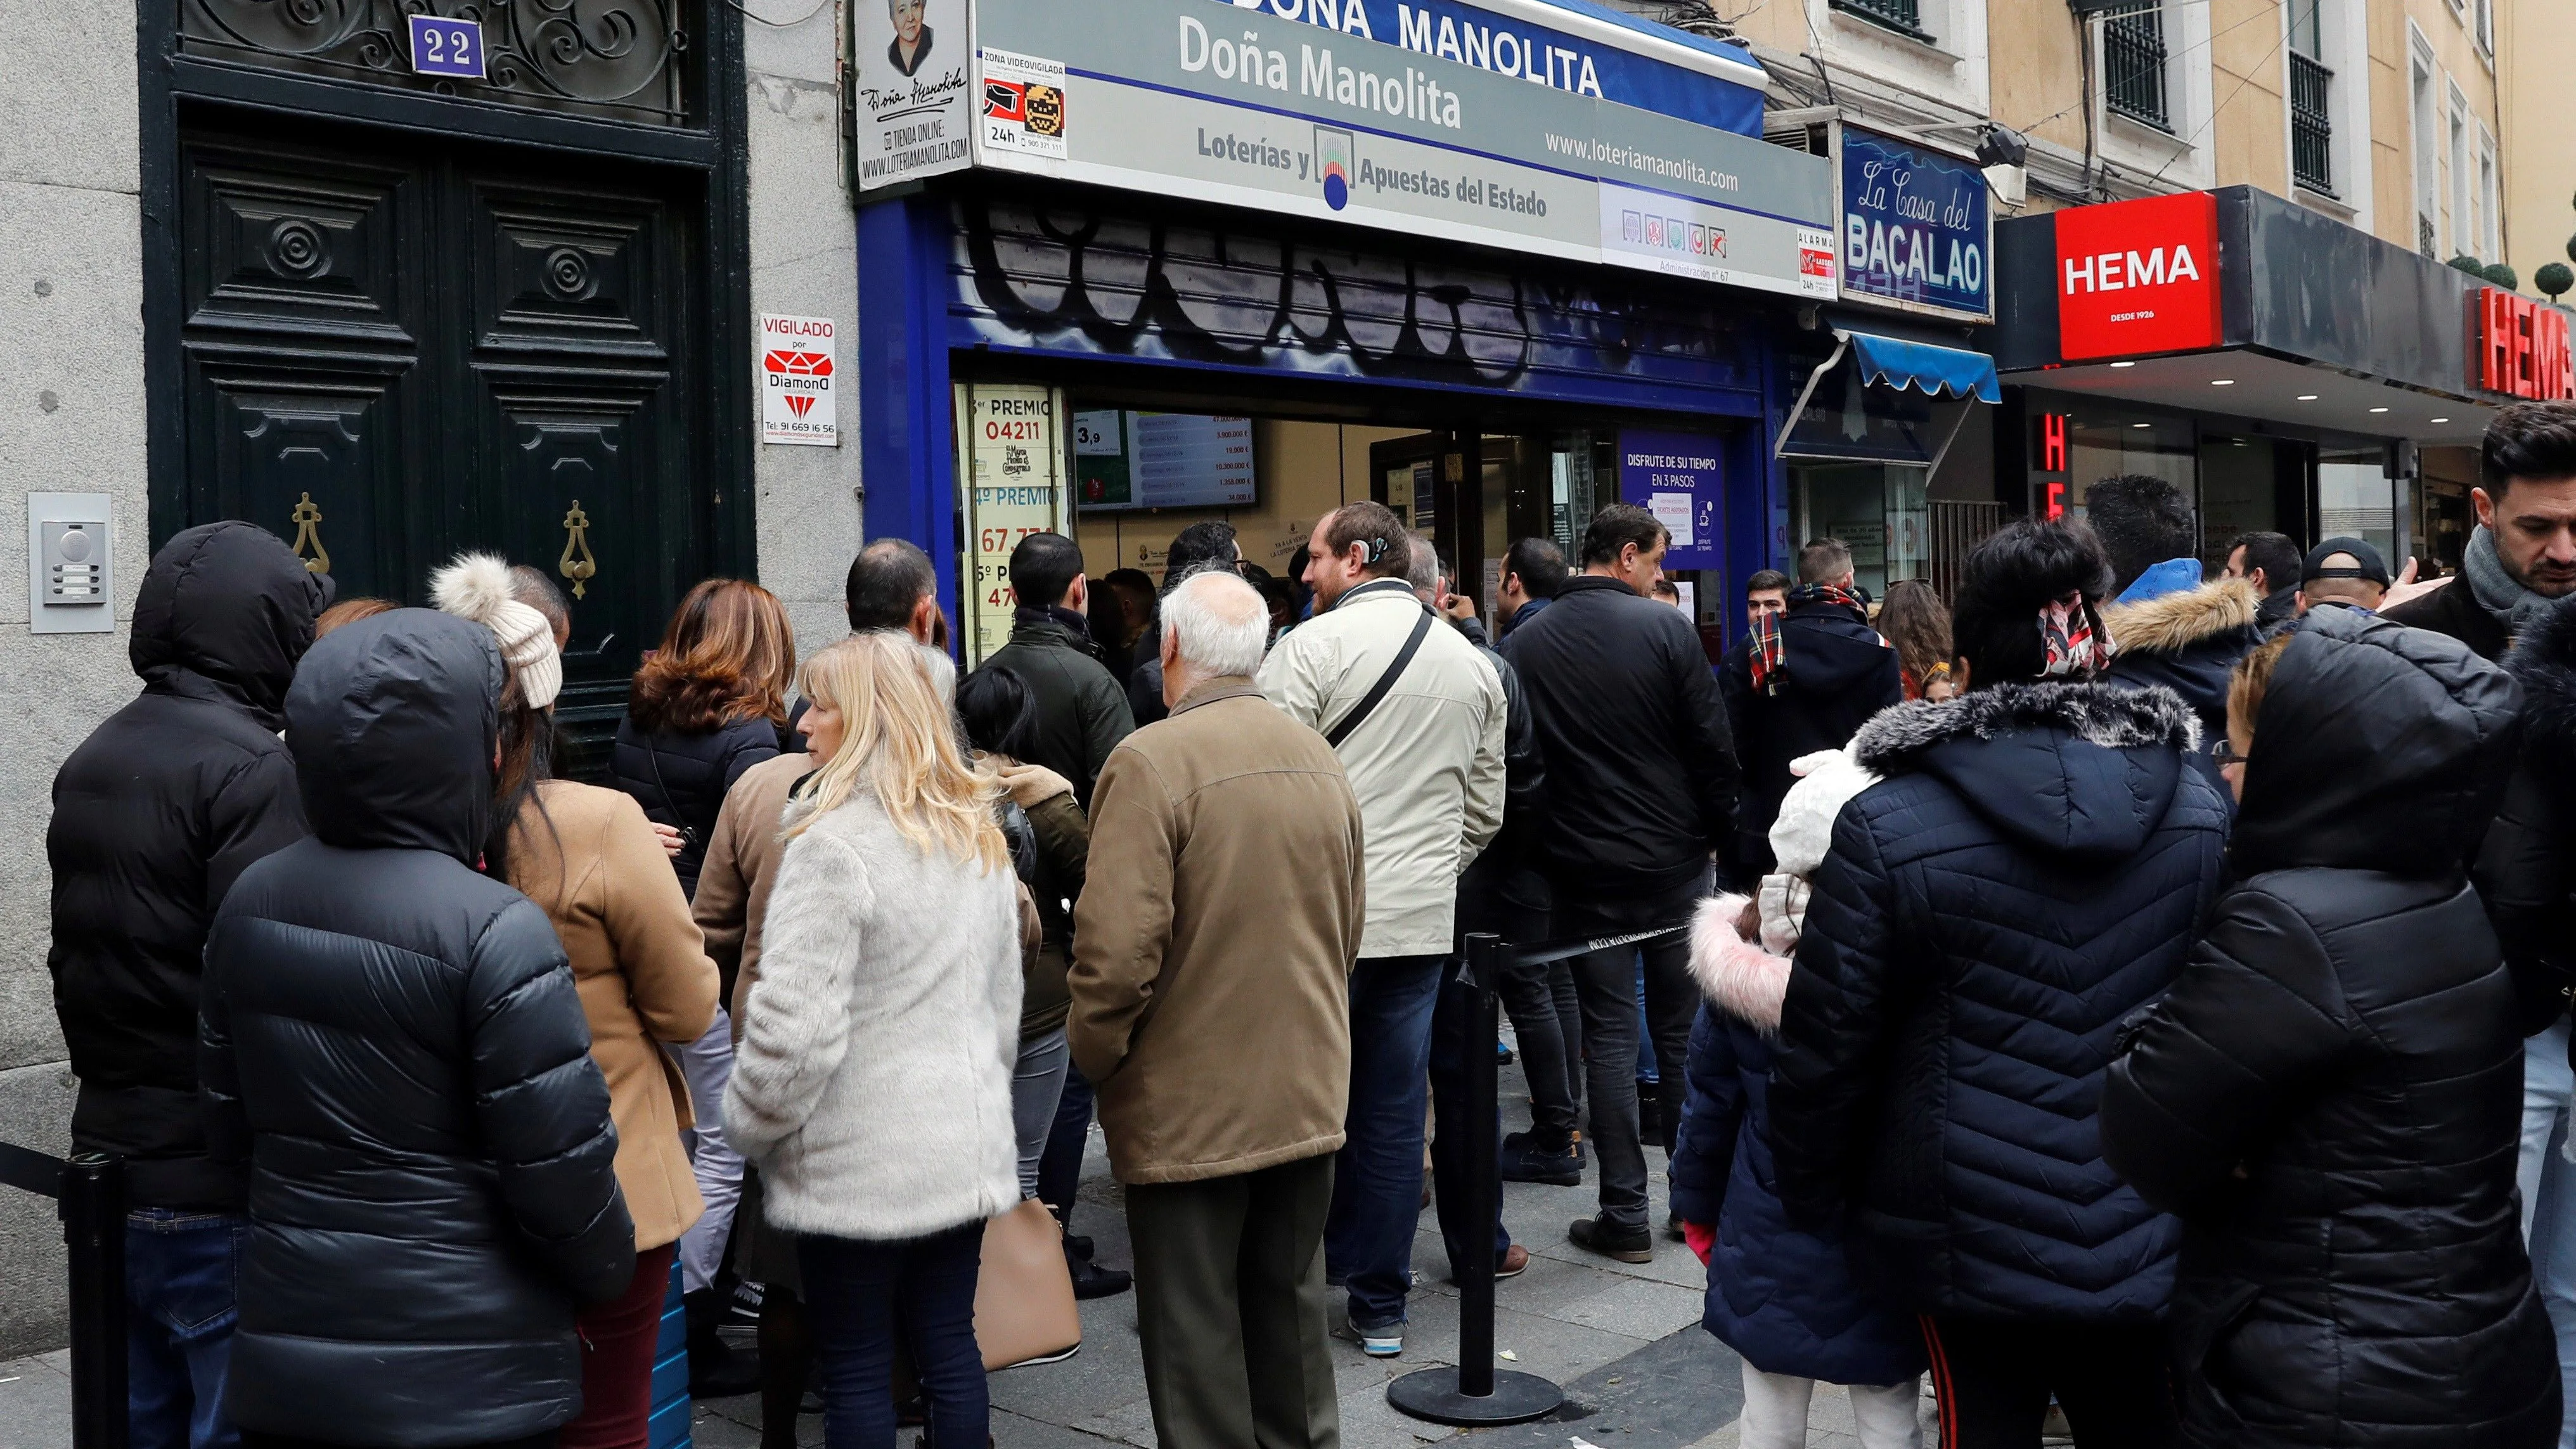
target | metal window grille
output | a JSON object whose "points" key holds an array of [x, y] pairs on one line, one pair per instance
{"points": [[1906, 15], [2133, 61], [2311, 125]]}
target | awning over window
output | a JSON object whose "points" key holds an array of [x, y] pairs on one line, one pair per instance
{"points": [[1938, 371]]}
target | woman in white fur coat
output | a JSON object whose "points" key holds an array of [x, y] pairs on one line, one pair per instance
{"points": [[1791, 1303], [873, 1080]]}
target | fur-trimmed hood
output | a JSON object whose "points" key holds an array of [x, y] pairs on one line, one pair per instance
{"points": [[2171, 623], [1737, 976], [2082, 769]]}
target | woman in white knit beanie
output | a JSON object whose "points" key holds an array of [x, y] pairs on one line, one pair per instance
{"points": [[588, 857]]}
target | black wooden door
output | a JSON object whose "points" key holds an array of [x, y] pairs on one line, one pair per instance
{"points": [[445, 347]]}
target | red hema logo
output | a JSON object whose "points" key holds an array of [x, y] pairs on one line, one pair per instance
{"points": [[2138, 277]]}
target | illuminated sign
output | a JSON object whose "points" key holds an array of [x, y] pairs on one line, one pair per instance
{"points": [[2138, 276], [2522, 347]]}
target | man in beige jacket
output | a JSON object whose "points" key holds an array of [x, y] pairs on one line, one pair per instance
{"points": [[1417, 717], [1223, 906]]}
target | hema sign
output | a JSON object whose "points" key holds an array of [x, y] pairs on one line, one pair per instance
{"points": [[2137, 277]]}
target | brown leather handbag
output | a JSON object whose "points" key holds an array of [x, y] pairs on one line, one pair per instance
{"points": [[1024, 1308]]}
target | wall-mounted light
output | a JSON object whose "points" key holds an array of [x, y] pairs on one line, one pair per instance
{"points": [[2379, 410], [2307, 397], [2124, 364], [2222, 382]]}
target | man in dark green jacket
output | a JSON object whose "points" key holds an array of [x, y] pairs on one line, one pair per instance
{"points": [[1082, 713]]}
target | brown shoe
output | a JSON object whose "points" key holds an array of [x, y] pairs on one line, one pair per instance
{"points": [[1515, 1262]]}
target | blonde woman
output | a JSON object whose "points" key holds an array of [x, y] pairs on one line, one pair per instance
{"points": [[873, 1081]]}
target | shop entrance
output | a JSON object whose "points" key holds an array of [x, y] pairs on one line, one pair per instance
{"points": [[1138, 468]]}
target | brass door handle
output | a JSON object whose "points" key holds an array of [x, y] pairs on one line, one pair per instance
{"points": [[577, 540], [307, 519]]}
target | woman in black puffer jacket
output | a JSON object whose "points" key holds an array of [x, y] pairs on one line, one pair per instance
{"points": [[707, 705], [393, 1043], [2331, 1095]]}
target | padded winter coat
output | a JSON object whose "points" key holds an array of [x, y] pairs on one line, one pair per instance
{"points": [[2526, 866], [156, 814], [2331, 1095], [1836, 673], [1785, 1299], [2025, 875], [2188, 642], [394, 1043]]}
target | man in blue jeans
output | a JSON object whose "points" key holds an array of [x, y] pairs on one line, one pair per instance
{"points": [[155, 815], [1418, 719]]}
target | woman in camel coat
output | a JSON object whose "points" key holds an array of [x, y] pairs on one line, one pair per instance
{"points": [[591, 860]]}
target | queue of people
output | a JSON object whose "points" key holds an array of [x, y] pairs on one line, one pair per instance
{"points": [[2107, 988]]}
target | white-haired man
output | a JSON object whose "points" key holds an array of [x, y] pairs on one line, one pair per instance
{"points": [[1224, 1106]]}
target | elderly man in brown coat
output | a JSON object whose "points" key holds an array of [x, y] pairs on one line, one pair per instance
{"points": [[1212, 950]]}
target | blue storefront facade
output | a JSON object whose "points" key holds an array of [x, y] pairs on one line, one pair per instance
{"points": [[1489, 340]]}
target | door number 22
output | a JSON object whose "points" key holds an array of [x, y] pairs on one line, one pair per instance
{"points": [[444, 47]]}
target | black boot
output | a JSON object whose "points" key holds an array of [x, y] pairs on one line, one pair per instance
{"points": [[1090, 1280], [716, 1369]]}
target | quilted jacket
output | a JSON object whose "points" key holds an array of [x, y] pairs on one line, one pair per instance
{"points": [[1785, 1299], [2331, 1095], [2026, 874]]}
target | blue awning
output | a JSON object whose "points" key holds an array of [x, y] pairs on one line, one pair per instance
{"points": [[1939, 371]]}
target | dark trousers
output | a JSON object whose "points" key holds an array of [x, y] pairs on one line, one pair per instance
{"points": [[1539, 999], [1455, 1120], [1060, 1165], [617, 1342], [859, 1296], [1230, 1305], [254, 1439], [180, 1268], [1377, 1176], [1994, 1380], [1605, 982]]}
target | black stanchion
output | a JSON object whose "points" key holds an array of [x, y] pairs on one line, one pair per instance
{"points": [[93, 1211], [1473, 1393]]}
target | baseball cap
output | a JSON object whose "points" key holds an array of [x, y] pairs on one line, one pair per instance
{"points": [[2367, 562]]}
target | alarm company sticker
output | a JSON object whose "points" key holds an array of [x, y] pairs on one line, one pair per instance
{"points": [[796, 395], [1024, 106]]}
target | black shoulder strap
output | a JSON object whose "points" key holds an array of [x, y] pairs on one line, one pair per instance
{"points": [[1368, 702]]}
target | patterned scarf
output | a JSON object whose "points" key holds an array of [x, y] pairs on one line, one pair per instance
{"points": [[2067, 640], [1766, 655]]}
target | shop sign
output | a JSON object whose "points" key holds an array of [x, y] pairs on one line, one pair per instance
{"points": [[2136, 277], [796, 393], [1917, 231], [908, 66], [2522, 347], [1681, 479], [1383, 127], [1013, 452]]}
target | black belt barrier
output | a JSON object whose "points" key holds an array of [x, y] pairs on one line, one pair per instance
{"points": [[1473, 1392], [91, 1190], [1560, 950]]}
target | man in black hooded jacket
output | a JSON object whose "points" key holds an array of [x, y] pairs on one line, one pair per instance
{"points": [[155, 815], [393, 1043], [1828, 675]]}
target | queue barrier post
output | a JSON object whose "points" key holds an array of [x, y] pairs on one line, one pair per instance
{"points": [[89, 1191], [1474, 1393]]}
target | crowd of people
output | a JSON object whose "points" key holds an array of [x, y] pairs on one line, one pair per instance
{"points": [[2110, 990]]}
